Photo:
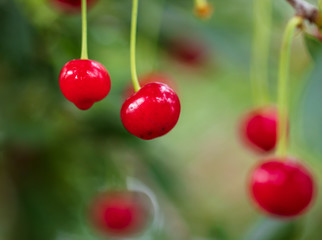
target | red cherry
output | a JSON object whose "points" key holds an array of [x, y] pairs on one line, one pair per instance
{"points": [[282, 187], [259, 129], [189, 51], [84, 82], [151, 112], [150, 78], [71, 6], [121, 213]]}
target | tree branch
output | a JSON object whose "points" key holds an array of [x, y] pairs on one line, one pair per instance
{"points": [[306, 11]]}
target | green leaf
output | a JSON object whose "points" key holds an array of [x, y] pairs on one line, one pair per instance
{"points": [[273, 229], [314, 46]]}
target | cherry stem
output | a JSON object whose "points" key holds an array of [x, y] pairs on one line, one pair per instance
{"points": [[283, 76], [306, 11], [261, 42], [134, 20], [84, 54]]}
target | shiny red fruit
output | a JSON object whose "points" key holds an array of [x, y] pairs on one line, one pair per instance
{"points": [[259, 129], [282, 187], [121, 213], [71, 6], [84, 82], [151, 112], [150, 78]]}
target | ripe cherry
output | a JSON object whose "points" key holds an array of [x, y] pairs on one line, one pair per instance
{"points": [[71, 6], [282, 187], [150, 78], [84, 82], [259, 129], [121, 213], [189, 51], [151, 112]]}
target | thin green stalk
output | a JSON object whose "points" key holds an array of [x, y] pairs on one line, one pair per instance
{"points": [[84, 54], [134, 74], [283, 76], [260, 53]]}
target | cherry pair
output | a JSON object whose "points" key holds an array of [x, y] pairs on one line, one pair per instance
{"points": [[281, 187], [151, 112]]}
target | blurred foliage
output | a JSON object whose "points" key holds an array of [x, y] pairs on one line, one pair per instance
{"points": [[314, 46], [55, 158], [270, 229]]}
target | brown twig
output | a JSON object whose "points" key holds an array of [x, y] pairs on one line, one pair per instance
{"points": [[306, 11]]}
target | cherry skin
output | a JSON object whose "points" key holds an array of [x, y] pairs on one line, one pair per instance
{"points": [[282, 187], [84, 82], [151, 112], [121, 213], [150, 78], [71, 6], [259, 129]]}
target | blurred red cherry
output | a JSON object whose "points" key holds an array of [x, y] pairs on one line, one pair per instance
{"points": [[71, 6], [189, 51], [259, 129], [282, 187], [121, 213]]}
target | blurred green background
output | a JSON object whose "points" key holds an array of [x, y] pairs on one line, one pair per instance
{"points": [[54, 158]]}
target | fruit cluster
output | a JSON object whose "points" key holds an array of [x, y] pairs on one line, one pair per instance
{"points": [[148, 112], [279, 185]]}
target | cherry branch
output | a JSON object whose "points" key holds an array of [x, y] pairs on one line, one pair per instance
{"points": [[307, 11]]}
